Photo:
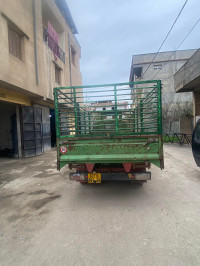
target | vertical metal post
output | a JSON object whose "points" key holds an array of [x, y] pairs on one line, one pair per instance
{"points": [[75, 110], [70, 64], [85, 124], [116, 115], [133, 120], [57, 118], [141, 116], [136, 119], [89, 122], [159, 107]]}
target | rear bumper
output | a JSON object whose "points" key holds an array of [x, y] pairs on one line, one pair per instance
{"points": [[113, 176]]}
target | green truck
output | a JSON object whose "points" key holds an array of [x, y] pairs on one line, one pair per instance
{"points": [[109, 132]]}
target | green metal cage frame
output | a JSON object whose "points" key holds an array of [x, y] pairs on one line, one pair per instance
{"points": [[123, 139], [147, 112]]}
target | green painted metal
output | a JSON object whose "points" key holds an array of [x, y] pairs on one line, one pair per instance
{"points": [[109, 158], [135, 150], [116, 114], [159, 108], [75, 110], [110, 123], [141, 115], [110, 85], [125, 101], [56, 113]]}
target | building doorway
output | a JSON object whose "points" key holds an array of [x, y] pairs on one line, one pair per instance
{"points": [[53, 127], [8, 130]]}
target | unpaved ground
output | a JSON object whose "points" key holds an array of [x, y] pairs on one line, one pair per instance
{"points": [[45, 219]]}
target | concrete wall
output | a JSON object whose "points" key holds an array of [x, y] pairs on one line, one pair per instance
{"points": [[50, 12], [188, 77], [21, 73], [186, 125], [170, 63], [13, 70], [197, 101], [18, 77], [177, 60], [171, 127]]}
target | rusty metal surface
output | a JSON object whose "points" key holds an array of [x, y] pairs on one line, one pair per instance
{"points": [[125, 132]]}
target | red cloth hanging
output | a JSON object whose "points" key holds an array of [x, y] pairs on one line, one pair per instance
{"points": [[53, 40]]}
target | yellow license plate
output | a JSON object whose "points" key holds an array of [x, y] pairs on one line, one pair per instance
{"points": [[94, 178]]}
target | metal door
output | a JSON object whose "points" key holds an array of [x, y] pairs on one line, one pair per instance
{"points": [[46, 129], [32, 131]]}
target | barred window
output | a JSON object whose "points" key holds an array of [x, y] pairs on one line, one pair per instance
{"points": [[15, 43]]}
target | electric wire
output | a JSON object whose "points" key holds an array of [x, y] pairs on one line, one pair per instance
{"points": [[183, 69], [166, 36], [178, 47]]}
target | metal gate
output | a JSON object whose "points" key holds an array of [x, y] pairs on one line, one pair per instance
{"points": [[32, 131]]}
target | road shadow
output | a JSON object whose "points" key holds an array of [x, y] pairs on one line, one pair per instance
{"points": [[109, 193]]}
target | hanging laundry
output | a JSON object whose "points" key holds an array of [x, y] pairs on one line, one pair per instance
{"points": [[53, 40]]}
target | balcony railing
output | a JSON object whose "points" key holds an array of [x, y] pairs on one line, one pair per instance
{"points": [[58, 52]]}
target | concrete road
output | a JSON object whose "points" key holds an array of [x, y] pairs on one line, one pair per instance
{"points": [[45, 219]]}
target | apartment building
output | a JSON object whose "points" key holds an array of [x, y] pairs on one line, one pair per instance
{"points": [[38, 51], [187, 79], [163, 66]]}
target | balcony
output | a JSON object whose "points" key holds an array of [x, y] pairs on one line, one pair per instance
{"points": [[52, 44]]}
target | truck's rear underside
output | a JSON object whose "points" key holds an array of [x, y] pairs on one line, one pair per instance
{"points": [[115, 139]]}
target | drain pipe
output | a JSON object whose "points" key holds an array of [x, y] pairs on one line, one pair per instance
{"points": [[70, 66], [35, 41]]}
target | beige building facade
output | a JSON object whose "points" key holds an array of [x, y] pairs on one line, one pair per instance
{"points": [[38, 51], [163, 66], [187, 79]]}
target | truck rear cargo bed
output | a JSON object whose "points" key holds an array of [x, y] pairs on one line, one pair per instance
{"points": [[109, 124]]}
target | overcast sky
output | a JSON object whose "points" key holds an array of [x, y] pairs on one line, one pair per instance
{"points": [[111, 31]]}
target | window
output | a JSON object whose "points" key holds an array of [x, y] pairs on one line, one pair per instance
{"points": [[15, 43], [157, 67], [57, 74], [137, 71], [73, 54]]}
